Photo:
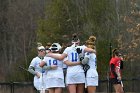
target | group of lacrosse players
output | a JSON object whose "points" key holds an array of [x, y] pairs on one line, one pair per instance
{"points": [[78, 61]]}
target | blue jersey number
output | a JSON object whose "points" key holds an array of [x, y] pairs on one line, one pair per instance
{"points": [[52, 62], [95, 62], [74, 57]]}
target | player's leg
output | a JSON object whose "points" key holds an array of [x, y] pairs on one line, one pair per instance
{"points": [[117, 88], [92, 82], [80, 88], [51, 90], [72, 88], [58, 90], [91, 89]]}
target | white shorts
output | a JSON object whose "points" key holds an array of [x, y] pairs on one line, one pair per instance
{"points": [[38, 84], [92, 81], [75, 78], [54, 82]]}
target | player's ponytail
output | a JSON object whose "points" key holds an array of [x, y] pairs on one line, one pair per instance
{"points": [[115, 52]]}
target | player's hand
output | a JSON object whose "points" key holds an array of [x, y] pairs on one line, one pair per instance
{"points": [[38, 75], [119, 78]]}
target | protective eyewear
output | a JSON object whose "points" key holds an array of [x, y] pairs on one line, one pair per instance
{"points": [[41, 50]]}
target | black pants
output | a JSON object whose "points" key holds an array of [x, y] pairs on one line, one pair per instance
{"points": [[115, 81]]}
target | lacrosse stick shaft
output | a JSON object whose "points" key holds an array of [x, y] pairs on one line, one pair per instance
{"points": [[42, 88], [23, 68], [121, 84], [42, 83]]}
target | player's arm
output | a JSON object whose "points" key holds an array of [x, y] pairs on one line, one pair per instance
{"points": [[118, 73], [69, 63], [45, 67], [31, 70], [113, 70], [90, 50], [58, 57], [121, 64]]}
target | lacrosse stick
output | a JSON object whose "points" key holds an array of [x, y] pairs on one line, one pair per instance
{"points": [[42, 82], [23, 68]]}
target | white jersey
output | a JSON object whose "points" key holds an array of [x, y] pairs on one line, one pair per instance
{"points": [[54, 73], [35, 63], [72, 56], [92, 72], [64, 65], [38, 82]]}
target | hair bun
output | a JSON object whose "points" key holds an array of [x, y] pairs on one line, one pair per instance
{"points": [[75, 38], [92, 38]]}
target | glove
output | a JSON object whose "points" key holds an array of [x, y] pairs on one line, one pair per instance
{"points": [[79, 50], [81, 57], [86, 67], [85, 60]]}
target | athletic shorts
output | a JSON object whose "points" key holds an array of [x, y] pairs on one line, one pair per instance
{"points": [[55, 82], [92, 81], [115, 81], [75, 78], [38, 84]]}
